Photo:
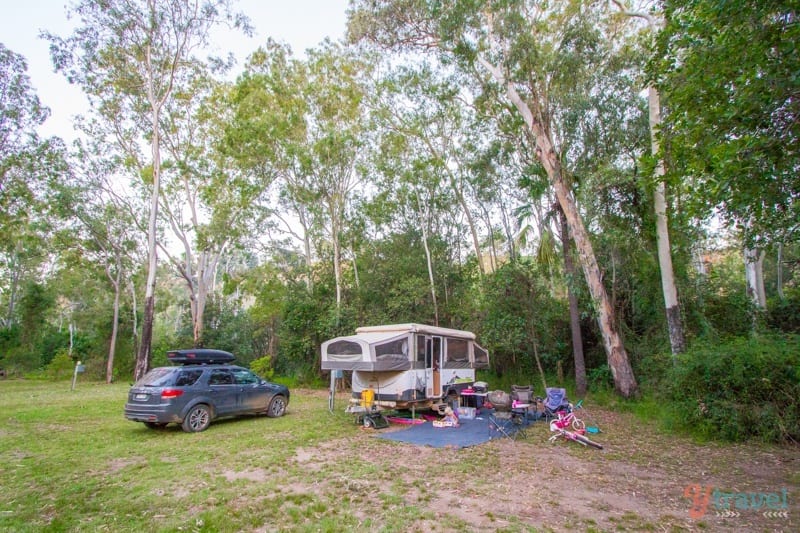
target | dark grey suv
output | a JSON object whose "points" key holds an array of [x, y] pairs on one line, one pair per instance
{"points": [[203, 386]]}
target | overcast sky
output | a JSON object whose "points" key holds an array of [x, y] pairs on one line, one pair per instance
{"points": [[300, 23]]}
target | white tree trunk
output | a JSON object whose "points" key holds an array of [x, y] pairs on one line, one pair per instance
{"points": [[144, 355], [754, 274], [116, 281], [424, 215], [677, 339]]}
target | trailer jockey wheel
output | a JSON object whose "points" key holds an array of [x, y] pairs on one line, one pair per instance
{"points": [[375, 419]]}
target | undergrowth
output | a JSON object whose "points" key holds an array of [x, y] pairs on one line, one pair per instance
{"points": [[744, 388]]}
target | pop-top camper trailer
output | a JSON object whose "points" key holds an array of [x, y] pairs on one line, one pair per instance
{"points": [[406, 365]]}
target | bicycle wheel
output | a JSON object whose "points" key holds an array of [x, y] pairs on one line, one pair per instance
{"points": [[577, 424], [588, 441]]}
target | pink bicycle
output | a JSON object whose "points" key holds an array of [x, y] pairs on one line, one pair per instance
{"points": [[560, 427]]}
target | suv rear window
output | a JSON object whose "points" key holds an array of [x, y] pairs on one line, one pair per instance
{"points": [[158, 377]]}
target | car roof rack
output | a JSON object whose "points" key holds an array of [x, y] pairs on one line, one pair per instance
{"points": [[199, 356]]}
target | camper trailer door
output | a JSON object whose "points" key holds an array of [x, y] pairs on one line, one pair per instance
{"points": [[433, 364]]}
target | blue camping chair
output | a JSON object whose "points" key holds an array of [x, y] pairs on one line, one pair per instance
{"points": [[555, 401]]}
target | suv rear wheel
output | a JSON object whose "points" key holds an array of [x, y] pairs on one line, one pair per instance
{"points": [[197, 419]]}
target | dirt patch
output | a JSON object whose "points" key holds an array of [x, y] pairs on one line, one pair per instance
{"points": [[256, 475], [642, 480], [115, 465]]}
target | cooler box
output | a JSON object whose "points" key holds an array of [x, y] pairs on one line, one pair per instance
{"points": [[467, 413]]}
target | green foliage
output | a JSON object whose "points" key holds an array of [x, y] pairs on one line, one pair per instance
{"points": [[302, 126], [719, 305], [307, 321], [33, 306], [729, 79], [51, 343], [520, 313], [227, 328], [394, 285], [263, 367], [9, 339], [61, 366], [741, 389], [600, 378], [784, 314]]}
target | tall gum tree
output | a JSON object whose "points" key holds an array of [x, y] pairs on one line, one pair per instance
{"points": [[336, 93], [419, 104], [127, 57], [27, 163], [508, 40], [416, 186], [728, 74], [265, 133], [209, 203], [303, 123], [106, 231], [677, 338]]}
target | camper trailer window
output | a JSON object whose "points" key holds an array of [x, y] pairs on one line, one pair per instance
{"points": [[344, 348], [421, 349], [394, 348], [457, 351]]}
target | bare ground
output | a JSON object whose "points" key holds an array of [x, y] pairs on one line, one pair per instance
{"points": [[642, 480]]}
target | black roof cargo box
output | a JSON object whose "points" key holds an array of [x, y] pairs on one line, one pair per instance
{"points": [[199, 356]]}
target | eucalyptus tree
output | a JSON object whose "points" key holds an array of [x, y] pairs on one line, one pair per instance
{"points": [[434, 109], [303, 123], [266, 135], [28, 166], [416, 195], [21, 113], [653, 24], [209, 203], [728, 74], [411, 159], [529, 51], [337, 90], [128, 56], [101, 226]]}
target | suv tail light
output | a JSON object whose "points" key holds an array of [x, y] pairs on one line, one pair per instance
{"points": [[167, 394]]}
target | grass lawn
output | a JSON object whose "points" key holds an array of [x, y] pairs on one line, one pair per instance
{"points": [[69, 461]]}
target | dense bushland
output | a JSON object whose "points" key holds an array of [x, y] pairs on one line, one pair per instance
{"points": [[738, 389]]}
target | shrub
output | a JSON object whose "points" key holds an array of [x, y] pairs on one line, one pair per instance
{"points": [[784, 315], [61, 366], [741, 389], [600, 378], [263, 367]]}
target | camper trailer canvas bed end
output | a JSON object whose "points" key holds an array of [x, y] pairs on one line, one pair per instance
{"points": [[406, 364]]}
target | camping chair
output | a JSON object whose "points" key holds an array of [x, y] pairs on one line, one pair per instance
{"points": [[555, 401], [501, 424], [523, 408], [523, 404], [509, 417]]}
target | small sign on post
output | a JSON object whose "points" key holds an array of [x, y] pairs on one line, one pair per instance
{"points": [[79, 369]]}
